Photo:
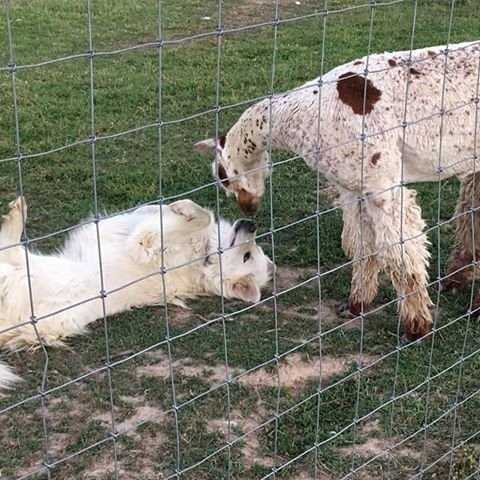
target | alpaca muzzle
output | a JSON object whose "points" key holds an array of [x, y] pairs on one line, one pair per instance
{"points": [[248, 203]]}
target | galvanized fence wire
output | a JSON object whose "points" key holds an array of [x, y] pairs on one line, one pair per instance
{"points": [[316, 472], [180, 469], [427, 399]]}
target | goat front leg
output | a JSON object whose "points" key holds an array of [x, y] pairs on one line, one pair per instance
{"points": [[358, 243], [11, 232], [402, 251], [460, 268]]}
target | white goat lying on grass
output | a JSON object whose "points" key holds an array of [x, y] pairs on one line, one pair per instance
{"points": [[411, 118], [65, 287]]}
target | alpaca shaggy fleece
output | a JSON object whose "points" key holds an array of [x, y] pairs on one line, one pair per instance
{"points": [[370, 127]]}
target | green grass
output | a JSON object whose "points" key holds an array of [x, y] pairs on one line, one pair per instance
{"points": [[54, 110]]}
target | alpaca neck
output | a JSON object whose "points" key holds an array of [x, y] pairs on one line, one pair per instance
{"points": [[283, 118], [250, 135]]}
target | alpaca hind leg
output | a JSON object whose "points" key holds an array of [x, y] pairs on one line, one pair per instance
{"points": [[402, 251], [358, 242], [11, 232], [460, 268]]}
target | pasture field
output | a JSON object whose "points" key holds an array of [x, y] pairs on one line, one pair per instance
{"points": [[418, 405]]}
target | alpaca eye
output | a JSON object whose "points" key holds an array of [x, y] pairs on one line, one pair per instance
{"points": [[222, 174], [246, 257]]}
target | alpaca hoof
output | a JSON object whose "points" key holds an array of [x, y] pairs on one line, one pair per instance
{"points": [[408, 338], [455, 282], [449, 285], [351, 310], [343, 311], [405, 340]]}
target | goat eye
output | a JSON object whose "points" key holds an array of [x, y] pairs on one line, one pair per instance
{"points": [[246, 257]]}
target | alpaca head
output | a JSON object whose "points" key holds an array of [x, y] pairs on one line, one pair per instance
{"points": [[241, 170]]}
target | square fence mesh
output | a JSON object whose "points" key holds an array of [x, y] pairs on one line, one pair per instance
{"points": [[103, 102]]}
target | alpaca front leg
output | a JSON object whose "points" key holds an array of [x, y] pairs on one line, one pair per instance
{"points": [[364, 286], [11, 232], [460, 265], [359, 241], [404, 255]]}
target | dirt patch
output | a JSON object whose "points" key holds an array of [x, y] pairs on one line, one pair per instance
{"points": [[186, 366], [251, 449], [258, 11], [103, 466], [140, 459], [328, 313], [57, 443], [132, 463], [287, 277], [372, 441], [182, 317], [310, 476], [295, 369], [142, 414], [135, 401]]}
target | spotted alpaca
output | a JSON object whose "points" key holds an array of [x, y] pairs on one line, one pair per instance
{"points": [[370, 127]]}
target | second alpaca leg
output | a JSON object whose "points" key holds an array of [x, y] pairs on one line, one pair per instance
{"points": [[403, 253], [460, 265], [358, 240]]}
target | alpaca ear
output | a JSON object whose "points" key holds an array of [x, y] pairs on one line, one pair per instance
{"points": [[245, 289], [206, 146], [210, 144]]}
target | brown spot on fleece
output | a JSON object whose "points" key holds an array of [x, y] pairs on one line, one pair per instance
{"points": [[352, 92]]}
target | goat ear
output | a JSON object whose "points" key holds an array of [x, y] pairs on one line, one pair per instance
{"points": [[245, 289]]}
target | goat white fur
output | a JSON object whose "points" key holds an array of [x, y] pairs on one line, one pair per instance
{"points": [[411, 118], [65, 287]]}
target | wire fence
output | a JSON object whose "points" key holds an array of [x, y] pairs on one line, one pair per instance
{"points": [[322, 456]]}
